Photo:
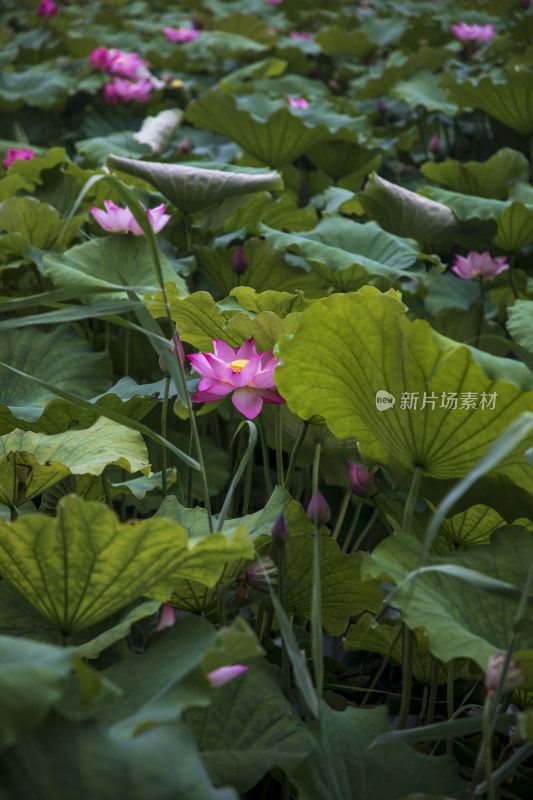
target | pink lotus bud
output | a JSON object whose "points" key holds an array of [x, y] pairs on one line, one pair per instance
{"points": [[434, 144], [280, 530], [362, 482], [239, 262], [47, 8], [13, 155], [381, 106], [167, 618], [186, 145], [177, 348], [318, 510], [222, 675], [514, 676], [526, 4]]}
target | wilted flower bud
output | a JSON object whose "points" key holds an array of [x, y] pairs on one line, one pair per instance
{"points": [[318, 510], [176, 347], [514, 677], [434, 145], [280, 530], [239, 262], [362, 482], [256, 578]]}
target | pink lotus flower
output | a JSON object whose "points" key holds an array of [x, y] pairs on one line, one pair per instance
{"points": [[301, 35], [121, 89], [479, 265], [243, 371], [318, 509], [434, 145], [13, 155], [47, 8], [473, 33], [120, 220], [181, 35], [218, 677], [117, 62], [297, 102], [273, 2]]}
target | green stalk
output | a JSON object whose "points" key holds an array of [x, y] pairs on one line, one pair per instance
{"points": [[264, 453], [351, 529], [164, 435], [433, 692], [126, 368], [285, 661], [407, 676], [247, 487], [481, 312], [294, 455], [279, 444], [411, 500], [364, 532], [381, 669], [512, 281], [316, 600], [252, 439], [341, 514], [450, 700]]}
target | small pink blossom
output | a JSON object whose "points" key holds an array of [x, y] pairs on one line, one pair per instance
{"points": [[479, 265], [167, 618], [473, 33], [301, 35], [13, 155], [218, 677], [181, 35], [434, 145], [121, 220], [47, 8], [297, 102], [123, 90], [243, 371]]}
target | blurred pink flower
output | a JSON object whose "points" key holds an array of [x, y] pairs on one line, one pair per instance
{"points": [[120, 220], [13, 155], [100, 58], [123, 90], [473, 33], [297, 102], [434, 144], [273, 2], [181, 35], [243, 371], [47, 8], [479, 265], [218, 677], [117, 62], [300, 35]]}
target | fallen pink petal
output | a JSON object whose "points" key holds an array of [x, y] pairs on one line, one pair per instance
{"points": [[218, 677]]}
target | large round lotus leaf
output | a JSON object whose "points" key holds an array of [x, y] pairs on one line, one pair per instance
{"points": [[26, 175], [31, 462], [462, 618], [510, 102], [40, 223], [491, 178], [270, 132], [423, 89], [410, 398], [192, 188], [60, 355], [474, 526], [83, 565], [107, 262]]}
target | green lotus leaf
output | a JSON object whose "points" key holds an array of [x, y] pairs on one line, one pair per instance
{"points": [[490, 178], [335, 40], [462, 618], [408, 214], [520, 323], [248, 212], [357, 771], [515, 228], [347, 253], [423, 89], [466, 206], [247, 25], [97, 149], [378, 79], [471, 327], [235, 643], [12, 244], [343, 160], [83, 565], [103, 264], [26, 175], [353, 359], [509, 101], [365, 635], [94, 647], [266, 269], [39, 223], [474, 526], [195, 187], [59, 353], [41, 86], [343, 592], [86, 760], [127, 398], [247, 729], [269, 132]]}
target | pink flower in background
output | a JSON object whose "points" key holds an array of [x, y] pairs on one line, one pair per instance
{"points": [[473, 33], [120, 220], [100, 58], [300, 35], [181, 35], [273, 2], [47, 8], [117, 62], [218, 677], [123, 90], [479, 265], [434, 144], [297, 102], [243, 371], [13, 155]]}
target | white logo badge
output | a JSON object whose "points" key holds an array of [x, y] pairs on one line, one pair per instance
{"points": [[384, 400]]}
